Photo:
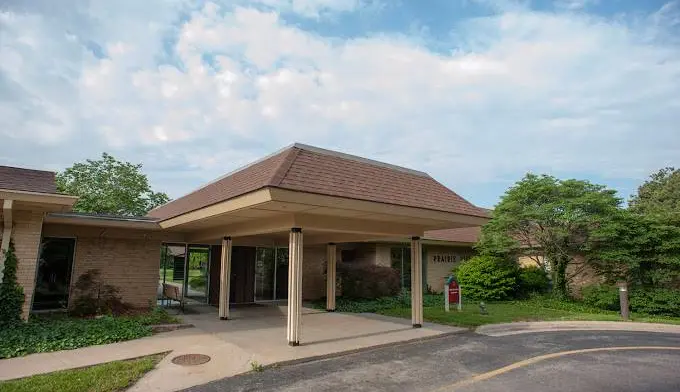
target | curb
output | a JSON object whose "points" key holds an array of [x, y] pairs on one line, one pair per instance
{"points": [[561, 326], [169, 327], [358, 350]]}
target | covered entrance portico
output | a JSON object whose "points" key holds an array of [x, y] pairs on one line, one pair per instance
{"points": [[308, 200], [286, 225]]}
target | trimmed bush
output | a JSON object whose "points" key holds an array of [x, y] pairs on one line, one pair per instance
{"points": [[487, 278], [11, 294], [368, 281], [651, 301], [656, 301], [533, 280], [601, 296]]}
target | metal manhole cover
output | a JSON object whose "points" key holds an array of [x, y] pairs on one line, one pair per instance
{"points": [[190, 359]]}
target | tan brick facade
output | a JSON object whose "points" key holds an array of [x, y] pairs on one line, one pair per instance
{"points": [[131, 265], [440, 262], [127, 259], [313, 268], [26, 238]]}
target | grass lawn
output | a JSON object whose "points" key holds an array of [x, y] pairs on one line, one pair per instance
{"points": [[168, 274], [512, 312], [535, 309], [107, 377]]}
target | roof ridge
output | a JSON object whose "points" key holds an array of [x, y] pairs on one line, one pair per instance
{"points": [[357, 158], [285, 166], [237, 170]]}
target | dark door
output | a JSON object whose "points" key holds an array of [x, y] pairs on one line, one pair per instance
{"points": [[242, 284], [54, 273], [215, 268], [242, 275]]}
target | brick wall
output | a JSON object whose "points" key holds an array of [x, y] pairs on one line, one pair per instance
{"points": [[437, 271], [383, 255], [313, 272], [131, 265], [583, 276], [26, 238], [126, 258]]}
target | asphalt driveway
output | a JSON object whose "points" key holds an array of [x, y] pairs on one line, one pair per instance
{"points": [[530, 362]]}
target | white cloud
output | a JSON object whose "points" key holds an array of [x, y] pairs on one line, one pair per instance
{"points": [[520, 90], [575, 4], [310, 8]]}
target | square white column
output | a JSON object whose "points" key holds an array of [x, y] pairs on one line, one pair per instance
{"points": [[225, 278], [416, 282], [331, 260], [295, 249]]}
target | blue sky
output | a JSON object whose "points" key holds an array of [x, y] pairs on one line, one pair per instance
{"points": [[475, 92]]}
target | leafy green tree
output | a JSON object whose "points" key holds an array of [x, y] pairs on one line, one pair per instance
{"points": [[660, 194], [643, 249], [109, 186], [11, 294], [541, 214]]}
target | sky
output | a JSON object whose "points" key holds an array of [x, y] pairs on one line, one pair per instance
{"points": [[475, 92]]}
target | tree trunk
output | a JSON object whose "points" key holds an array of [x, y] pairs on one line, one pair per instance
{"points": [[560, 288]]}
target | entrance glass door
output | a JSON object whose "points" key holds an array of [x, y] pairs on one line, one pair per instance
{"points": [[197, 276], [271, 274], [54, 273], [264, 274]]}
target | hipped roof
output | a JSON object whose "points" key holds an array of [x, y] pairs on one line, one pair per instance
{"points": [[314, 170]]}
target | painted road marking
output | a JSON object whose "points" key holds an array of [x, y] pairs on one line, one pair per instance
{"points": [[531, 361]]}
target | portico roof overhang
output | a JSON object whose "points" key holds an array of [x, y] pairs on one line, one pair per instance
{"points": [[272, 212]]}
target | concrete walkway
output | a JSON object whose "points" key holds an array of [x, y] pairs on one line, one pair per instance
{"points": [[550, 326], [254, 335]]}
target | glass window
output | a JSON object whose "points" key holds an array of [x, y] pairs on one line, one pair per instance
{"points": [[401, 261]]}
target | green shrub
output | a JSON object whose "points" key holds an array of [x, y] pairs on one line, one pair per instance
{"points": [[656, 301], [603, 297], [402, 300], [368, 281], [487, 278], [11, 294], [532, 280]]}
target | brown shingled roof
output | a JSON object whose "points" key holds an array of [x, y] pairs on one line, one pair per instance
{"points": [[464, 234], [19, 179], [314, 170]]}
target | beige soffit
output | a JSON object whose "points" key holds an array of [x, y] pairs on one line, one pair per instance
{"points": [[231, 205], [102, 221], [39, 198]]}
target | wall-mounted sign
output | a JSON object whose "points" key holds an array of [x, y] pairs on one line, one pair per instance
{"points": [[443, 258], [447, 257]]}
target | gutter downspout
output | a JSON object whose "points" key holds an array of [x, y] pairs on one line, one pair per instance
{"points": [[6, 232]]}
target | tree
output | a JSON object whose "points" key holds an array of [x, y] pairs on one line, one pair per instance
{"points": [[643, 249], [109, 186], [11, 294], [658, 195], [546, 216]]}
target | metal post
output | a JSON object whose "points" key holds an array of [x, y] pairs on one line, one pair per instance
{"points": [[623, 300], [460, 298], [446, 297]]}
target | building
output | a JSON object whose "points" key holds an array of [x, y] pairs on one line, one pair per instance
{"points": [[293, 214]]}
